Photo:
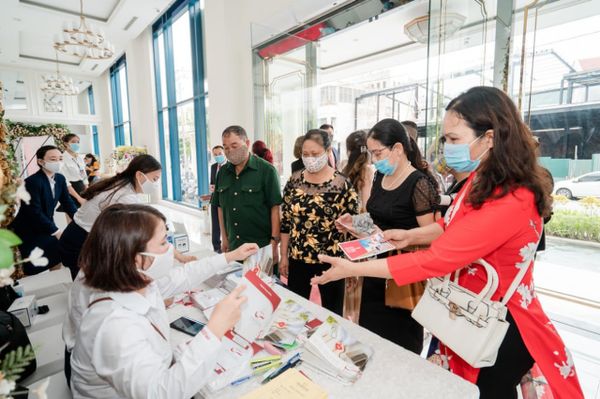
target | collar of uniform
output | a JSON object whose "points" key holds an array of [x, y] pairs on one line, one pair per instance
{"points": [[251, 164], [133, 301]]}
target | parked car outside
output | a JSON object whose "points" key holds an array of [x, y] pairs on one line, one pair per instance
{"points": [[587, 185]]}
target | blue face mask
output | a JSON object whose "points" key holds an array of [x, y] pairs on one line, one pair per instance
{"points": [[385, 167], [458, 157], [220, 158], [74, 147]]}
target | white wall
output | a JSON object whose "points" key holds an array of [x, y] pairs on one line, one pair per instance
{"points": [[228, 54]]}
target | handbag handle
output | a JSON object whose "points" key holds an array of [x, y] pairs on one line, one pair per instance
{"points": [[488, 290]]}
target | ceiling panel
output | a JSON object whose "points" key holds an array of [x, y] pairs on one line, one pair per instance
{"points": [[99, 10], [27, 29]]}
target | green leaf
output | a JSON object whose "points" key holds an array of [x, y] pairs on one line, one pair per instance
{"points": [[9, 238], [6, 256]]}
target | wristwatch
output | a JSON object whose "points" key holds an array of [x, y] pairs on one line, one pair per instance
{"points": [[276, 239]]}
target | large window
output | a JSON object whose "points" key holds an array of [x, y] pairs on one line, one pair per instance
{"points": [[181, 98], [120, 102]]}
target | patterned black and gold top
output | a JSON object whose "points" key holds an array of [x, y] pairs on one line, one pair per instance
{"points": [[309, 214]]}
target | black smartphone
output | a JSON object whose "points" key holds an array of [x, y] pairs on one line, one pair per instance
{"points": [[187, 326]]}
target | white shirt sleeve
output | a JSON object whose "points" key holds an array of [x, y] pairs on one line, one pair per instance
{"points": [[124, 356], [190, 275]]}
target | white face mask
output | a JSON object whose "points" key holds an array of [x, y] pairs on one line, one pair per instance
{"points": [[161, 265], [53, 167], [149, 186], [315, 164]]}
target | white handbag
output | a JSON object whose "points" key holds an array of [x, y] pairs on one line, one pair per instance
{"points": [[469, 323]]}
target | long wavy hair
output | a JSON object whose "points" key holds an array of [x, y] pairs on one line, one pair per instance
{"points": [[390, 132], [511, 163], [142, 163], [358, 157]]}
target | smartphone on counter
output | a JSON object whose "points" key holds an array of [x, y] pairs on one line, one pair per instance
{"points": [[187, 326]]}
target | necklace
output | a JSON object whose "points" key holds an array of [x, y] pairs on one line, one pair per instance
{"points": [[398, 178]]}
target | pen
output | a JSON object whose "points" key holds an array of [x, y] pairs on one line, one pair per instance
{"points": [[266, 367], [241, 380], [266, 359], [280, 371]]}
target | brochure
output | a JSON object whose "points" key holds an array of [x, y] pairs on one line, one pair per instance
{"points": [[333, 351], [233, 362], [366, 247], [258, 309], [288, 323]]}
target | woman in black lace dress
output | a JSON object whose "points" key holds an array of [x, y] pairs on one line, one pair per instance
{"points": [[313, 199], [404, 196]]}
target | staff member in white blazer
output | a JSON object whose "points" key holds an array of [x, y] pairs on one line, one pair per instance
{"points": [[122, 348]]}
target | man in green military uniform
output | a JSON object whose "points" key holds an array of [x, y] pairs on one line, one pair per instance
{"points": [[247, 194]]}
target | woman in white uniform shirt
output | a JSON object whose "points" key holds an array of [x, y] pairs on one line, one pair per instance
{"points": [[122, 349], [73, 168], [141, 176]]}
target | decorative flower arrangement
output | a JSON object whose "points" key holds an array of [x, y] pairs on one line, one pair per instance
{"points": [[121, 156], [14, 362]]}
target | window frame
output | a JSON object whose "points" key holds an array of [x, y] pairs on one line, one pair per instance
{"points": [[120, 66], [164, 26]]}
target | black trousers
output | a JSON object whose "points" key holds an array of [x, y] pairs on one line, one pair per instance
{"points": [[299, 276], [69, 247], [216, 229], [394, 324], [501, 380], [48, 243]]}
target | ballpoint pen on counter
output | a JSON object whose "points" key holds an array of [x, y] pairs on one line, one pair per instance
{"points": [[292, 362]]}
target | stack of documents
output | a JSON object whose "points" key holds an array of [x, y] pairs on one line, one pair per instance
{"points": [[332, 351]]}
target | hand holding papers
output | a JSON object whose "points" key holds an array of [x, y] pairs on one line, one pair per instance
{"points": [[366, 247], [238, 348], [261, 261]]}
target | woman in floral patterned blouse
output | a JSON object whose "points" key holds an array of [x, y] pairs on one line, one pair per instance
{"points": [[313, 199]]}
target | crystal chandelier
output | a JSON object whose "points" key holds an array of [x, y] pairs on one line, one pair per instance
{"points": [[84, 41], [59, 84]]}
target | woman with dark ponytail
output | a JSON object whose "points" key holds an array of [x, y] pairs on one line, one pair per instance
{"points": [[403, 196], [141, 176], [358, 169]]}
